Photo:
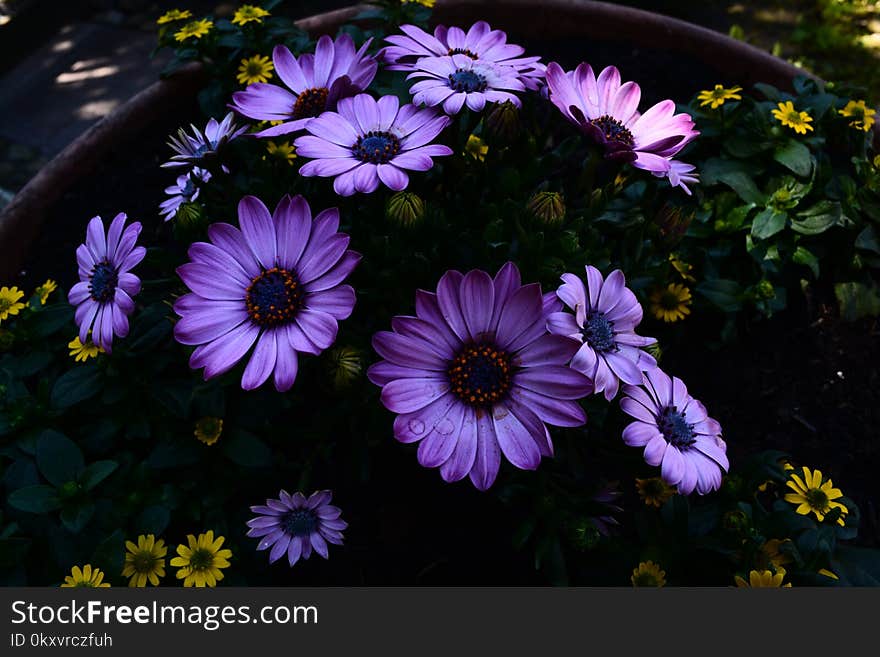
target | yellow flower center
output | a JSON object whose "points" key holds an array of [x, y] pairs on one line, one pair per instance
{"points": [[201, 559]]}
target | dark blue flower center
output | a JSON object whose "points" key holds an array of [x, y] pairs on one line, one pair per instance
{"points": [[104, 280], [613, 130], [376, 147], [598, 332], [675, 428], [300, 522], [274, 297], [310, 102], [462, 51], [480, 374], [467, 81]]}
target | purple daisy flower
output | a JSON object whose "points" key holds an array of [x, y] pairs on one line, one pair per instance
{"points": [[607, 111], [480, 42], [203, 146], [606, 313], [457, 80], [676, 432], [680, 175], [368, 141], [104, 295], [184, 190], [317, 82], [295, 525], [475, 375], [277, 282]]}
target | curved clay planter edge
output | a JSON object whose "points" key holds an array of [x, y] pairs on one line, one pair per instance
{"points": [[21, 219]]}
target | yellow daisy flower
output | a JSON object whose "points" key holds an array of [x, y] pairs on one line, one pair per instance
{"points": [[763, 579], [424, 3], [476, 148], [43, 291], [208, 430], [671, 303], [788, 116], [144, 561], [773, 555], [9, 301], [194, 29], [716, 97], [248, 13], [200, 562], [174, 15], [827, 573], [813, 495], [648, 574], [82, 352], [255, 69], [654, 491], [862, 116], [683, 268], [283, 151], [87, 577]]}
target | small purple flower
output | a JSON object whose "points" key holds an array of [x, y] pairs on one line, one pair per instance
{"points": [[184, 190], [368, 141], [607, 111], [317, 81], [606, 313], [475, 374], [457, 80], [277, 282], [676, 432], [201, 147], [104, 295], [679, 175], [480, 42], [294, 525]]}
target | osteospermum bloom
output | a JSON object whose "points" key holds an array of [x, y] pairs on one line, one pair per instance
{"points": [[457, 80], [81, 352], [475, 375], [144, 561], [606, 314], [255, 69], [201, 147], [201, 561], [43, 291], [861, 117], [185, 190], [814, 495], [85, 577], [788, 116], [249, 13], [607, 111], [276, 283], [173, 15], [718, 95], [10, 302], [763, 579], [654, 491], [104, 295], [194, 29], [294, 525], [671, 303], [480, 43], [648, 573], [315, 83], [368, 141], [676, 432]]}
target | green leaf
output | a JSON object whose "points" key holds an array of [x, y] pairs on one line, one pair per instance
{"points": [[817, 219], [857, 300], [153, 520], [803, 256], [59, 459], [734, 175], [795, 156], [76, 385], [110, 553], [725, 294], [246, 449], [35, 499], [867, 240], [31, 363], [767, 223], [77, 516], [97, 472], [52, 318]]}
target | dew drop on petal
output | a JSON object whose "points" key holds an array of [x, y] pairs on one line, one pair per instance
{"points": [[417, 427]]}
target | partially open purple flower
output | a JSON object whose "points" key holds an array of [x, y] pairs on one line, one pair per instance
{"points": [[184, 190], [104, 295], [475, 375], [201, 147], [606, 313], [607, 111], [676, 432], [456, 81], [277, 282], [480, 42], [680, 174], [367, 142], [317, 82], [294, 525]]}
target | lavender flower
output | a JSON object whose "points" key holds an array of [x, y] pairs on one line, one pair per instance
{"points": [[604, 321], [475, 374], [371, 141], [294, 525], [480, 42], [185, 190], [277, 282], [104, 295], [676, 432], [202, 147], [607, 111], [457, 80], [317, 82], [679, 175]]}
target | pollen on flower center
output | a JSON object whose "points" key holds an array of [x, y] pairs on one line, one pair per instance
{"points": [[817, 499], [480, 374], [598, 332], [675, 428], [467, 81], [376, 147], [273, 297], [103, 282], [310, 102], [613, 130], [300, 522], [201, 559], [462, 51]]}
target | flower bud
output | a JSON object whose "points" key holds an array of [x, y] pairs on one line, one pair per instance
{"points": [[405, 208], [549, 207], [503, 121]]}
